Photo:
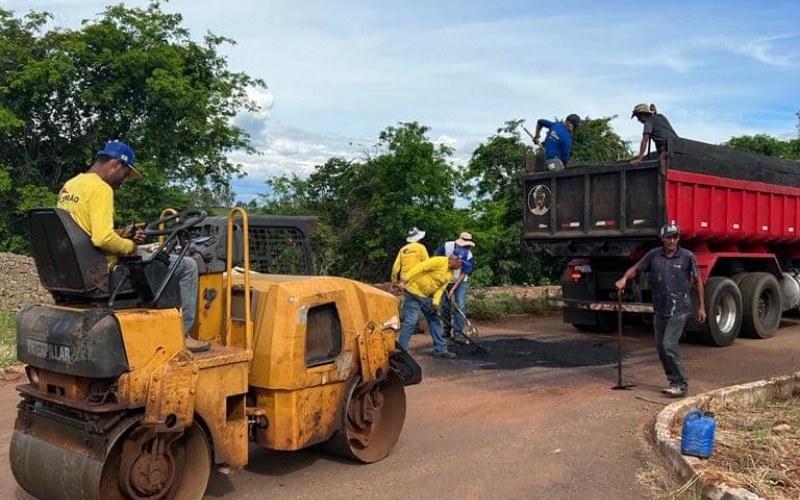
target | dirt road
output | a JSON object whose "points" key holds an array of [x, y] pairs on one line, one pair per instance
{"points": [[534, 419]]}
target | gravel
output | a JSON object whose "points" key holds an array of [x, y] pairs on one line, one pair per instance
{"points": [[21, 285]]}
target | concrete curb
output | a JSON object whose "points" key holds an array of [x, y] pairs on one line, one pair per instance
{"points": [[670, 446]]}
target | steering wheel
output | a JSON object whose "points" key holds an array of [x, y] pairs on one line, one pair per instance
{"points": [[187, 219]]}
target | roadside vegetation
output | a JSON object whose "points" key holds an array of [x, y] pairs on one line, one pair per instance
{"points": [[756, 446], [8, 339], [493, 303]]}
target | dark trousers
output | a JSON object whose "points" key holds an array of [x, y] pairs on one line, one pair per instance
{"points": [[668, 331]]}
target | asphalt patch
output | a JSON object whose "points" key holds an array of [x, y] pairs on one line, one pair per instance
{"points": [[516, 353]]}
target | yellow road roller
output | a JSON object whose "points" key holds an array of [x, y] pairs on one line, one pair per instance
{"points": [[116, 407]]}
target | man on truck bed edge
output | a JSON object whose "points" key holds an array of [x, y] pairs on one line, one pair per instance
{"points": [[672, 270], [656, 127]]}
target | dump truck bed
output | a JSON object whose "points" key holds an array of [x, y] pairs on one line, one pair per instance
{"points": [[717, 195]]}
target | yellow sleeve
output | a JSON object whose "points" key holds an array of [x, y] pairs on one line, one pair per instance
{"points": [[396, 268], [101, 219], [425, 265], [438, 294]]}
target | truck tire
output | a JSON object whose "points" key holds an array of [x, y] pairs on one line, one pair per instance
{"points": [[724, 307], [761, 300]]}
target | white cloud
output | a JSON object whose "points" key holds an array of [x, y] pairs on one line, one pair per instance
{"points": [[264, 99], [338, 75]]}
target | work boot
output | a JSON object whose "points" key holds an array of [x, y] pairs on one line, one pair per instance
{"points": [[444, 354], [197, 345], [674, 391]]}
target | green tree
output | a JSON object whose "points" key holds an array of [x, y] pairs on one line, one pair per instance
{"points": [[596, 142], [494, 176], [494, 179], [766, 145], [366, 207], [130, 74]]}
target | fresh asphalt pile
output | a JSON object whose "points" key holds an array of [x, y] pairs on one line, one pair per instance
{"points": [[510, 353]]}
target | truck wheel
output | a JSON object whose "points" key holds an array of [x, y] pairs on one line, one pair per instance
{"points": [[724, 306], [761, 299]]}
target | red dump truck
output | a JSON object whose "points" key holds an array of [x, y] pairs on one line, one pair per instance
{"points": [[738, 212]]}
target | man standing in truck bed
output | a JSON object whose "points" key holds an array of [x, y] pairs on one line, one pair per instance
{"points": [[558, 144], [672, 270]]}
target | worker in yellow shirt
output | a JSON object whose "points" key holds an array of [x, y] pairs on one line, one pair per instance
{"points": [[424, 287], [409, 256], [89, 199]]}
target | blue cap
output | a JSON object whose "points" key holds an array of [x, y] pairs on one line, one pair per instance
{"points": [[121, 151], [461, 253]]}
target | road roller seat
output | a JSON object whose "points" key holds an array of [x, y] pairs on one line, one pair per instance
{"points": [[72, 269]]}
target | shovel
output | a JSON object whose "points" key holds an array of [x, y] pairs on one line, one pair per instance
{"points": [[471, 331]]}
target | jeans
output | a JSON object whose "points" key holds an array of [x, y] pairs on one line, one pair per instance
{"points": [[461, 301], [187, 275], [668, 331], [412, 306]]}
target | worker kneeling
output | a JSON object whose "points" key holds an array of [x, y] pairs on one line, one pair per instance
{"points": [[423, 289]]}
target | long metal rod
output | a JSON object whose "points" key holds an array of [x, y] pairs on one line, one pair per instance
{"points": [[620, 385]]}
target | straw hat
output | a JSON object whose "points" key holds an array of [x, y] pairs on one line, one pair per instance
{"points": [[465, 240]]}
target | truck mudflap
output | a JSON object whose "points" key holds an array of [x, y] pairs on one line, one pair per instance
{"points": [[405, 367]]}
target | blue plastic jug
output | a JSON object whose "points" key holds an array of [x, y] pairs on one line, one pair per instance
{"points": [[698, 434]]}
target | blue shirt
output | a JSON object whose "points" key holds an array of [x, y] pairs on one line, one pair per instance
{"points": [[446, 249], [558, 143], [670, 280]]}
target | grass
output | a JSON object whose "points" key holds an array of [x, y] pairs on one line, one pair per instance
{"points": [[486, 305], [8, 338], [756, 446]]}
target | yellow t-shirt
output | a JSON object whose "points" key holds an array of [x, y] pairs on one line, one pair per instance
{"points": [[408, 256], [430, 278], [90, 202]]}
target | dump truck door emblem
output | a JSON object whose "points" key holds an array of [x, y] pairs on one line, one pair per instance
{"points": [[539, 199]]}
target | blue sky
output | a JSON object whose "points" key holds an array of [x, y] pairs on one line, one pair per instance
{"points": [[340, 72]]}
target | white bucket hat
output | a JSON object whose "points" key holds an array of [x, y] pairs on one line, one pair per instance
{"points": [[465, 240], [415, 235]]}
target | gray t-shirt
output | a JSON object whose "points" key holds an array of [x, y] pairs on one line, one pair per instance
{"points": [[670, 280], [659, 129]]}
